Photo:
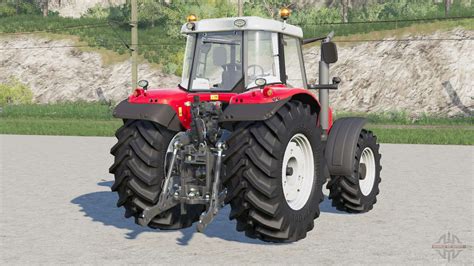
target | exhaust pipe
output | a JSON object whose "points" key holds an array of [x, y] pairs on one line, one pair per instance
{"points": [[324, 98], [324, 93]]}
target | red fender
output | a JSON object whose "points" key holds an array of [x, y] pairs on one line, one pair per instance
{"points": [[260, 103]]}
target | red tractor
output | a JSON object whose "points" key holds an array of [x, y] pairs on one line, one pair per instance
{"points": [[243, 129]]}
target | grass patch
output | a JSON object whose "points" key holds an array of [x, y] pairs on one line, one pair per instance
{"points": [[65, 119], [76, 110], [451, 136], [400, 127], [402, 118], [15, 92], [59, 127], [94, 119]]}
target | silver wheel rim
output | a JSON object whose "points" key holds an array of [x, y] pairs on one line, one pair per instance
{"points": [[297, 171], [367, 179]]}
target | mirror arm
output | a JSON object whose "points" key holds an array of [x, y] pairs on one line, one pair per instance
{"points": [[311, 40], [333, 86], [325, 38], [322, 86]]}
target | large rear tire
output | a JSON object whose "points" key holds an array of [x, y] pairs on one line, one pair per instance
{"points": [[358, 192], [139, 170], [260, 162]]}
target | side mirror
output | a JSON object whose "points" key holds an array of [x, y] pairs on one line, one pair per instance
{"points": [[329, 52], [143, 83], [261, 82]]}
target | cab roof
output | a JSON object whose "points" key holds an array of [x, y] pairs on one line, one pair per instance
{"points": [[251, 23]]}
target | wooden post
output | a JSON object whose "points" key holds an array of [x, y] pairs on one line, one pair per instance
{"points": [[17, 6], [45, 8], [241, 8], [345, 10], [447, 6], [134, 46]]}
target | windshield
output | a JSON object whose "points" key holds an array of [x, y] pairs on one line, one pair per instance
{"points": [[213, 61]]}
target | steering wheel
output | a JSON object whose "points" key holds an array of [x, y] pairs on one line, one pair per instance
{"points": [[255, 68]]}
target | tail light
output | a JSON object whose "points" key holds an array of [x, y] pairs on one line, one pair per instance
{"points": [[137, 92], [268, 92]]}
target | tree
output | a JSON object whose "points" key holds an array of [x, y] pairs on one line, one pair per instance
{"points": [[272, 6], [150, 11]]}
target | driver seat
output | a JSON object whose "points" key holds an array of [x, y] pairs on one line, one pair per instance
{"points": [[232, 73]]}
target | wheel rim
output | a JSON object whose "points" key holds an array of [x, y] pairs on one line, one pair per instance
{"points": [[366, 171], [297, 171]]}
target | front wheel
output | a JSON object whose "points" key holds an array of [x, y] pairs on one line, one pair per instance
{"points": [[358, 192], [273, 174]]}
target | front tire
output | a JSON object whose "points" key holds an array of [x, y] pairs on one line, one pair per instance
{"points": [[258, 165], [139, 170], [358, 192]]}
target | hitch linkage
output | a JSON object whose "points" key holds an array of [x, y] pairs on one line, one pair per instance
{"points": [[194, 172]]}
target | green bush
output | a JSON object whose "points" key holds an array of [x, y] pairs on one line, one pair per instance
{"points": [[400, 9], [316, 16], [97, 12], [170, 68], [10, 8], [6, 10], [15, 92]]}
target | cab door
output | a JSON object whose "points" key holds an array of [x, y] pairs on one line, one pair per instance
{"points": [[295, 75]]}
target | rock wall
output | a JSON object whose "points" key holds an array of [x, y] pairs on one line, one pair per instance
{"points": [[68, 74], [434, 77], [76, 8], [417, 77]]}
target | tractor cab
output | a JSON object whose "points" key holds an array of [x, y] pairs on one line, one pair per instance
{"points": [[230, 54]]}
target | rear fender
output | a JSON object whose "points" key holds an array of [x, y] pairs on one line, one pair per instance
{"points": [[255, 106], [342, 144], [162, 114], [251, 112], [308, 98]]}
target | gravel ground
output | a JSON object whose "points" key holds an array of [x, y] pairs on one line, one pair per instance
{"points": [[56, 207]]}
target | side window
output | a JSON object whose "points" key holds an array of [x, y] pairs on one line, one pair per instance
{"points": [[293, 62]]}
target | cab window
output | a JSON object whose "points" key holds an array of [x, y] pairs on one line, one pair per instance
{"points": [[262, 57], [293, 62]]}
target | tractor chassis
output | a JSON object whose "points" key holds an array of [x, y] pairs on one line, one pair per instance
{"points": [[273, 126]]}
